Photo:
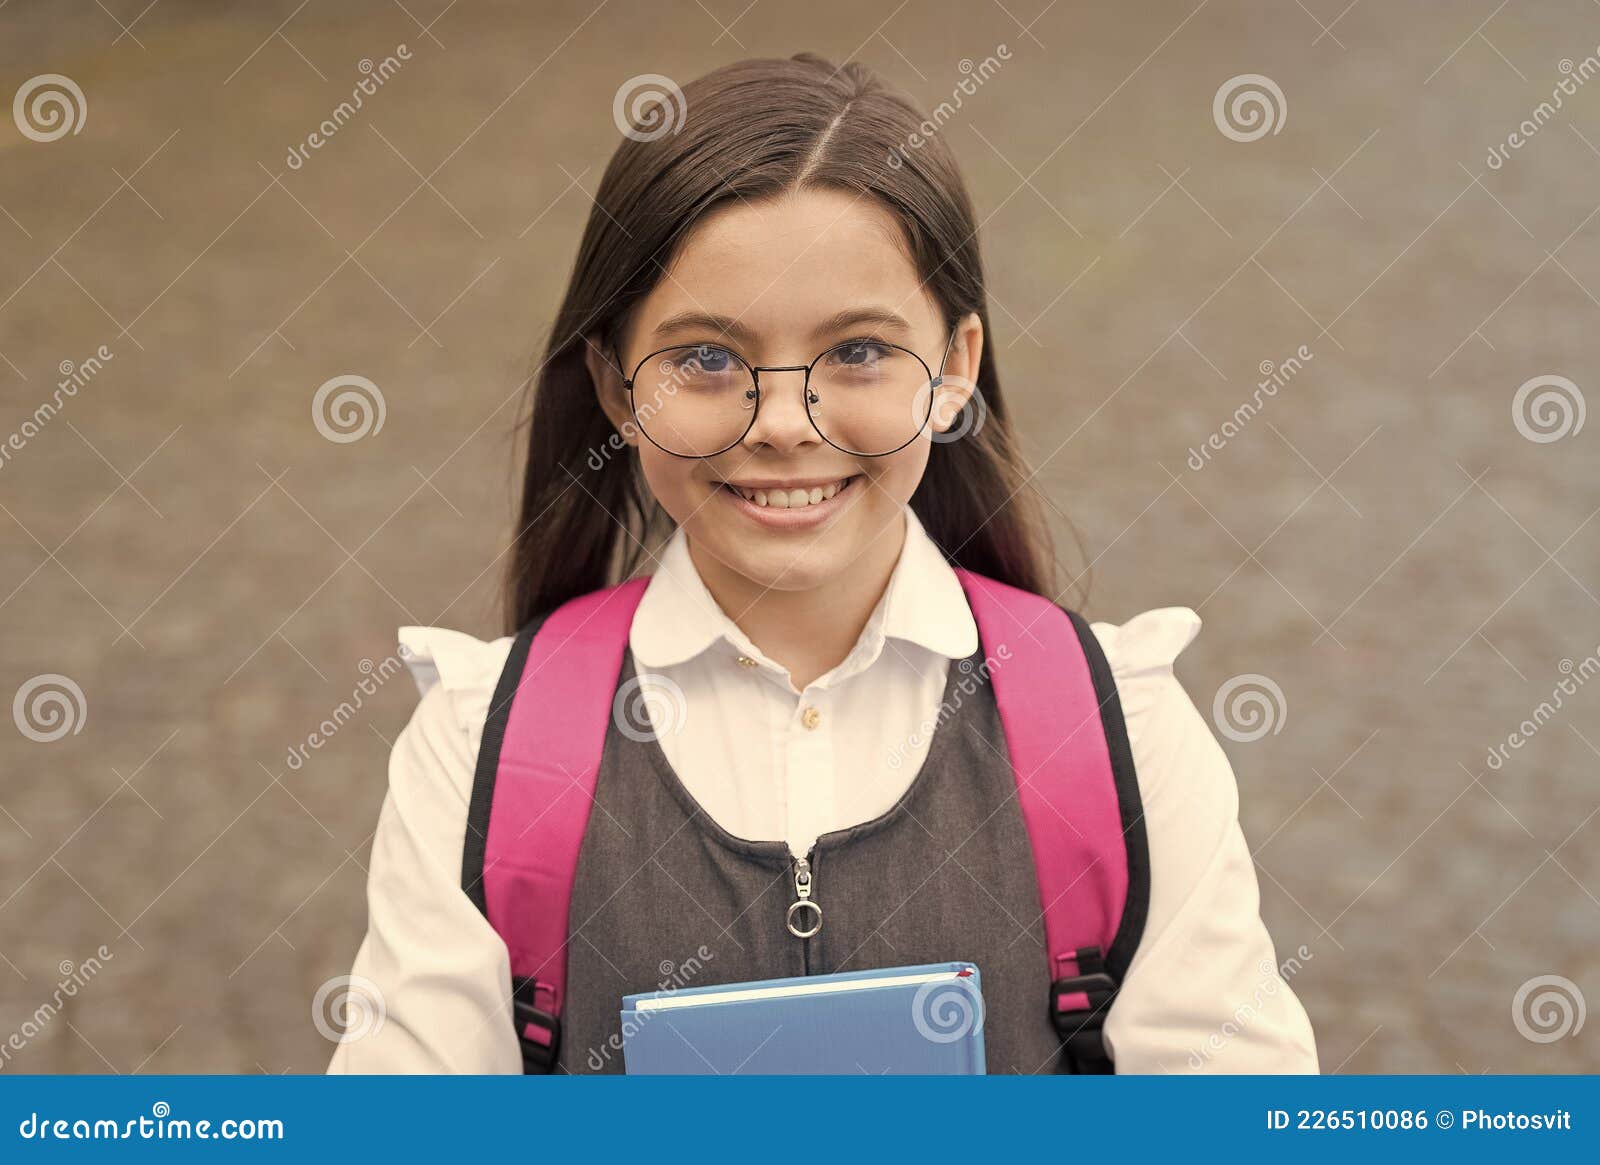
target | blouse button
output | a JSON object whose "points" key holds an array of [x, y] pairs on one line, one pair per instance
{"points": [[811, 718], [746, 661]]}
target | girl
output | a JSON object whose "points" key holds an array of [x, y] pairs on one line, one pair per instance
{"points": [[773, 355]]}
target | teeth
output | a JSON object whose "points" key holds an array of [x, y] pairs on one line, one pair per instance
{"points": [[788, 499]]}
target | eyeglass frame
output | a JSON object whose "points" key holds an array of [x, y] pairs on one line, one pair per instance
{"points": [[755, 380]]}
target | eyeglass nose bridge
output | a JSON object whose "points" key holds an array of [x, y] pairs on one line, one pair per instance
{"points": [[757, 369]]}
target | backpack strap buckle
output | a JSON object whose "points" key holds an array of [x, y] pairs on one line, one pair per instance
{"points": [[1078, 1007], [538, 1030]]}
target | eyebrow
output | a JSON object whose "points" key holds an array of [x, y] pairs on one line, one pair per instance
{"points": [[694, 320]]}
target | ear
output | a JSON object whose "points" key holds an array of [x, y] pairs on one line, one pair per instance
{"points": [[960, 379], [608, 387]]}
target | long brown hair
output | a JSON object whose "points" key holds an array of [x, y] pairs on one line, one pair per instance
{"points": [[755, 129]]}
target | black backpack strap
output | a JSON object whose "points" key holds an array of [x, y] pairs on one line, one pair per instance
{"points": [[538, 1030], [1080, 1003]]}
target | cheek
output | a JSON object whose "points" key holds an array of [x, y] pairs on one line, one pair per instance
{"points": [[898, 475], [671, 481]]}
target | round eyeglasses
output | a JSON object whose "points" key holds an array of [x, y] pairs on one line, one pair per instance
{"points": [[866, 397]]}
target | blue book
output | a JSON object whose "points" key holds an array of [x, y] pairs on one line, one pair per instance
{"points": [[925, 1020]]}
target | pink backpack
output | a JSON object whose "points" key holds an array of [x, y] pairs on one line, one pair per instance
{"points": [[1062, 720]]}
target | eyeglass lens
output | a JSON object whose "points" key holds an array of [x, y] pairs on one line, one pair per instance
{"points": [[864, 396]]}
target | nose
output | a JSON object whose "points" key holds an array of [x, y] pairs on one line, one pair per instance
{"points": [[782, 422]]}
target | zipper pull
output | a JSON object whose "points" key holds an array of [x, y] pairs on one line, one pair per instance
{"points": [[804, 918]]}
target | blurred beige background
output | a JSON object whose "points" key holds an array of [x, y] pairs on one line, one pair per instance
{"points": [[1404, 548]]}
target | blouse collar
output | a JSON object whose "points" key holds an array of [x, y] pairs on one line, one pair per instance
{"points": [[677, 617]]}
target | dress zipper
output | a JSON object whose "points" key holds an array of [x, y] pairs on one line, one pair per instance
{"points": [[804, 917]]}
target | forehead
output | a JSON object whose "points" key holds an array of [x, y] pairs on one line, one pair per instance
{"points": [[781, 265]]}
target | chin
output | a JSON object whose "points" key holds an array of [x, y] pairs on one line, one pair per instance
{"points": [[797, 565]]}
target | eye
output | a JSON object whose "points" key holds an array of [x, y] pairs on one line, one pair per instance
{"points": [[700, 360], [859, 353]]}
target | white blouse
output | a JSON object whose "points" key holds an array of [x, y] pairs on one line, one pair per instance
{"points": [[766, 761]]}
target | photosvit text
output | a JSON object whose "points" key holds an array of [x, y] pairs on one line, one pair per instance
{"points": [[1382, 1119]]}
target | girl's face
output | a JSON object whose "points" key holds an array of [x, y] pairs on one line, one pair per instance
{"points": [[768, 282]]}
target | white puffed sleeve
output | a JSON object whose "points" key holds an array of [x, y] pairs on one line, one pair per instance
{"points": [[430, 964], [1204, 992]]}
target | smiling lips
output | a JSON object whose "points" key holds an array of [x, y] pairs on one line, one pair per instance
{"points": [[783, 497]]}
